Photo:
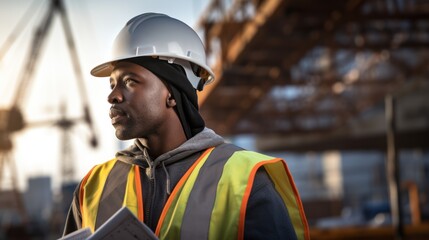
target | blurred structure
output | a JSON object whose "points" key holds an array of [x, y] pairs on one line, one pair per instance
{"points": [[12, 120], [39, 202], [297, 67], [307, 77]]}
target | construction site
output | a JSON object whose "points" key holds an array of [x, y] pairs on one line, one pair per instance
{"points": [[337, 88]]}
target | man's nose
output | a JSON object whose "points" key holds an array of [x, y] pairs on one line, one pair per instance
{"points": [[115, 96]]}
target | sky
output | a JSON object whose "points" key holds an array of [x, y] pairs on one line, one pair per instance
{"points": [[94, 23]]}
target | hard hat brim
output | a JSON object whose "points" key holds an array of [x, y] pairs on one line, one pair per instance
{"points": [[106, 68], [103, 70]]}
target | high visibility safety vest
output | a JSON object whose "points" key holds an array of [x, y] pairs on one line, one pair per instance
{"points": [[208, 202]]}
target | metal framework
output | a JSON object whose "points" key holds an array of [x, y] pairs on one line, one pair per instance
{"points": [[306, 70]]}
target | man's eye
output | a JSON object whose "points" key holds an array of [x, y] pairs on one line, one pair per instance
{"points": [[129, 81]]}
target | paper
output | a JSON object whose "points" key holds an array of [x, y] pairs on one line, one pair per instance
{"points": [[122, 225]]}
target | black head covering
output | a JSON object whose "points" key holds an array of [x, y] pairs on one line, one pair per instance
{"points": [[174, 76]]}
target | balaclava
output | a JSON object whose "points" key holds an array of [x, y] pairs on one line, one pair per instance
{"points": [[174, 76]]}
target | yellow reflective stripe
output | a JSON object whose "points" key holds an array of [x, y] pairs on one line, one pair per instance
{"points": [[92, 191], [172, 215], [283, 182], [131, 198], [229, 194]]}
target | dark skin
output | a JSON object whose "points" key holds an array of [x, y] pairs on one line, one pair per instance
{"points": [[143, 108]]}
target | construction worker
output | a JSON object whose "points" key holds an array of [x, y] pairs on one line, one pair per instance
{"points": [[179, 177]]}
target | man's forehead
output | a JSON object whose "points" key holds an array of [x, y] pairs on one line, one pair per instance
{"points": [[123, 68]]}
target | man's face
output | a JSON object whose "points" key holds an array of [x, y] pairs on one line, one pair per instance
{"points": [[138, 100]]}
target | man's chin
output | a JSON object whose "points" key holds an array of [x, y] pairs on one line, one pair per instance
{"points": [[122, 136]]}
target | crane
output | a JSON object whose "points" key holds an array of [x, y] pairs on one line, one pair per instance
{"points": [[12, 119]]}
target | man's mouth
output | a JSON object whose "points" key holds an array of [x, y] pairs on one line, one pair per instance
{"points": [[116, 114]]}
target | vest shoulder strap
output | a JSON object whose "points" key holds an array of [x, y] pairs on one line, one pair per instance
{"points": [[202, 197], [102, 188], [112, 197]]}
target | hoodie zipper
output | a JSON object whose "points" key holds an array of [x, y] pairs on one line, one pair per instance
{"points": [[151, 193]]}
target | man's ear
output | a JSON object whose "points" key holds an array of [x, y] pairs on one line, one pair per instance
{"points": [[171, 102]]}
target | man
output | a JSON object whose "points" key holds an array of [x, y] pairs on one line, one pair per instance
{"points": [[179, 177]]}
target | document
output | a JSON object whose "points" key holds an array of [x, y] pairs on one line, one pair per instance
{"points": [[122, 225]]}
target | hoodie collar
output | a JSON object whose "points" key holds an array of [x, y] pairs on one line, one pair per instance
{"points": [[137, 153]]}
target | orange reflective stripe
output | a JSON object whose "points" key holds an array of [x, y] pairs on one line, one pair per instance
{"points": [[140, 208], [176, 190], [299, 203], [245, 200]]}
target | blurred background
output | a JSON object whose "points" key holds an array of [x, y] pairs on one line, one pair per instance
{"points": [[338, 88]]}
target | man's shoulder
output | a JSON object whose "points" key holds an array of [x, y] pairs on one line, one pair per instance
{"points": [[111, 161], [107, 165], [234, 149], [228, 147]]}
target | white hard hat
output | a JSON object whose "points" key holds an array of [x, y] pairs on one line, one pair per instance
{"points": [[158, 35]]}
